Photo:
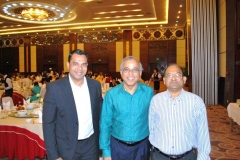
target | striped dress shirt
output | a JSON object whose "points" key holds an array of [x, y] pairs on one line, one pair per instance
{"points": [[180, 124]]}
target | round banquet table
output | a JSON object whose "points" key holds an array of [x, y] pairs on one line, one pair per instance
{"points": [[19, 139]]}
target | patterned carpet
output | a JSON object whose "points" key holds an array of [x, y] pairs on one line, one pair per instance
{"points": [[225, 143]]}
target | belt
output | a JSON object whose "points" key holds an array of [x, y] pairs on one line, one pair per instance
{"points": [[129, 143], [173, 156]]}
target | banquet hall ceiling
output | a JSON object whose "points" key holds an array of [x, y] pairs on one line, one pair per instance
{"points": [[74, 16]]}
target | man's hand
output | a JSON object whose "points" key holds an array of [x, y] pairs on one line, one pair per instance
{"points": [[59, 158], [107, 158]]}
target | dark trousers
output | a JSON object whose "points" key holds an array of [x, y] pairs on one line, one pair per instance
{"points": [[156, 155], [87, 149], [121, 151], [9, 92]]}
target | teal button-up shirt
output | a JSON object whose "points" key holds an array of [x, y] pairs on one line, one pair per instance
{"points": [[124, 116]]}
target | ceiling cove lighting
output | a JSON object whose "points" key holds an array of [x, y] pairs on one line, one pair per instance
{"points": [[35, 12]]}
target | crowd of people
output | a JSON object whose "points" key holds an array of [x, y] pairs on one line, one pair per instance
{"points": [[130, 122], [24, 81]]}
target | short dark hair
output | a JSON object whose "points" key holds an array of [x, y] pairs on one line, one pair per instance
{"points": [[77, 51]]}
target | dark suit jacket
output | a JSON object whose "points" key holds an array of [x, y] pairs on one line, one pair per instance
{"points": [[60, 120]]}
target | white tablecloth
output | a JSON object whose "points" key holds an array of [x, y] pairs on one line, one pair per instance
{"points": [[234, 112], [21, 122]]}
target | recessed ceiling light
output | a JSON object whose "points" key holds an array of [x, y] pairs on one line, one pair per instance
{"points": [[17, 11]]}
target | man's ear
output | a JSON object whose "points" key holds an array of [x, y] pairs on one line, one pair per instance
{"points": [[164, 80], [184, 79]]}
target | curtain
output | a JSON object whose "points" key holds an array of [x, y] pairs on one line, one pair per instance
{"points": [[204, 50]]}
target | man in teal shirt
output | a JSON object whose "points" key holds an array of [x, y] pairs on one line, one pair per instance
{"points": [[124, 119]]}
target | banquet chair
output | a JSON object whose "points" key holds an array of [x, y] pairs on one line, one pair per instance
{"points": [[7, 101], [16, 97]]}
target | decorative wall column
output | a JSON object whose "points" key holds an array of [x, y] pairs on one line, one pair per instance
{"points": [[127, 43], [27, 54], [72, 41]]}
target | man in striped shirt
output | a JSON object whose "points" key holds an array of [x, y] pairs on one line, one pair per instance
{"points": [[178, 121]]}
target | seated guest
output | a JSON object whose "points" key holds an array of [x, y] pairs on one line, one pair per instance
{"points": [[26, 81], [35, 90], [100, 77], [113, 83]]}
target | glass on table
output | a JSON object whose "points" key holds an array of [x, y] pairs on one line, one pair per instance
{"points": [[3, 113]]}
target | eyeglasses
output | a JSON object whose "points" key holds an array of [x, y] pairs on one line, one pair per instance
{"points": [[127, 70], [175, 75]]}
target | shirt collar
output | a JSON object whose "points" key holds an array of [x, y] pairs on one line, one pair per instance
{"points": [[181, 96], [139, 87], [73, 84]]}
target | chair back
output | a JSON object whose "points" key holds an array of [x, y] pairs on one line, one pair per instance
{"points": [[7, 102]]}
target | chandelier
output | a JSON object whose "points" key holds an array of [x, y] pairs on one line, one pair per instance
{"points": [[34, 13]]}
